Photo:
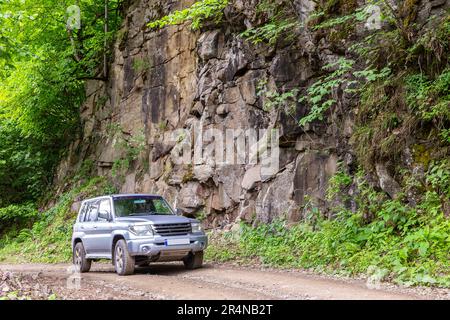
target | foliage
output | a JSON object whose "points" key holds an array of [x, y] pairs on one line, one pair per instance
{"points": [[141, 65], [430, 48], [45, 65], [271, 32], [275, 100], [410, 245], [48, 239], [319, 93], [132, 147], [430, 99], [412, 99], [17, 217], [389, 66], [375, 70], [397, 106], [24, 164], [338, 182], [197, 14], [278, 21], [358, 15], [439, 177], [281, 23]]}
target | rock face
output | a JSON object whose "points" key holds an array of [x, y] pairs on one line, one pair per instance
{"points": [[167, 84]]}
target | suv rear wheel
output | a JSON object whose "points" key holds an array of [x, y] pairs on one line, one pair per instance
{"points": [[194, 260], [123, 262], [79, 258]]}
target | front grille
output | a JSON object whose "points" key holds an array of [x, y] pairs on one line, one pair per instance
{"points": [[173, 229]]}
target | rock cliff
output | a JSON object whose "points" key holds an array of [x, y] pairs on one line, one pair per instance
{"points": [[175, 78]]}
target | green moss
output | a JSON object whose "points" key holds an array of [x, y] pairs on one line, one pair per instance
{"points": [[409, 11], [189, 175], [141, 65], [168, 168], [340, 6], [340, 32], [421, 155], [121, 37], [163, 126], [347, 6]]}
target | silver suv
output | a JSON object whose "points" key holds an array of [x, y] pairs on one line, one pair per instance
{"points": [[135, 230]]}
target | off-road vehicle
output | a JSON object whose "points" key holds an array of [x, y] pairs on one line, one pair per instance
{"points": [[135, 230]]}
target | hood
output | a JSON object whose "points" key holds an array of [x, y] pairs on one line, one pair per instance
{"points": [[155, 219]]}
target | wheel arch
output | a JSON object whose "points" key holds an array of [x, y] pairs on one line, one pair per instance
{"points": [[115, 239], [75, 241]]}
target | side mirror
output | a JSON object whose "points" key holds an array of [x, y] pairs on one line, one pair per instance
{"points": [[104, 215], [179, 212]]}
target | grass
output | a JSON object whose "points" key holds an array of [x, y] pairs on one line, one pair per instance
{"points": [[48, 239], [340, 248], [384, 238]]}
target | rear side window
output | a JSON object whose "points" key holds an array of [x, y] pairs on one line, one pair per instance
{"points": [[92, 212], [82, 212]]}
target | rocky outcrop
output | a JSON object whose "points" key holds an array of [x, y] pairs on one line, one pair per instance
{"points": [[166, 84]]}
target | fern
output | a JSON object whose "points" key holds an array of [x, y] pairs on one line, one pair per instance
{"points": [[319, 94], [198, 13]]}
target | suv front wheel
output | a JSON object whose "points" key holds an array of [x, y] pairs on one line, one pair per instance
{"points": [[123, 262], [79, 258], [194, 260]]}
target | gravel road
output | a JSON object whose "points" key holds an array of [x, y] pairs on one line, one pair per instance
{"points": [[223, 282]]}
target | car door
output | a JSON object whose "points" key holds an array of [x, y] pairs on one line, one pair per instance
{"points": [[104, 227], [89, 226]]}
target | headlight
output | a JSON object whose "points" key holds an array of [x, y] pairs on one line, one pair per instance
{"points": [[196, 227], [141, 230]]}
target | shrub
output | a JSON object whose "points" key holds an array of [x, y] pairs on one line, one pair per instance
{"points": [[198, 13], [384, 238], [48, 238], [17, 216]]}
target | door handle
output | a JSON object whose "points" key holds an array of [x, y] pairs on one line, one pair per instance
{"points": [[95, 227]]}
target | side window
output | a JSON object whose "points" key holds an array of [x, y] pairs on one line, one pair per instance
{"points": [[86, 212], [82, 212], [104, 211], [92, 212]]}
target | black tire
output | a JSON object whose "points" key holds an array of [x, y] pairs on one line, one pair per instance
{"points": [[194, 260], [123, 262], [79, 258]]}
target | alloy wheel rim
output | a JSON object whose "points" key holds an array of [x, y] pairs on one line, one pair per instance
{"points": [[78, 257], [119, 258]]}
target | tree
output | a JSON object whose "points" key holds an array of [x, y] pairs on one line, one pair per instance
{"points": [[44, 63]]}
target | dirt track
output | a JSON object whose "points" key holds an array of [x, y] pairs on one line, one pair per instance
{"points": [[172, 281]]}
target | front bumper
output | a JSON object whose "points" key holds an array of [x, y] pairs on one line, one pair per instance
{"points": [[157, 245]]}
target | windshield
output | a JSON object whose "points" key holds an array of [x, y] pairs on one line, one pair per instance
{"points": [[141, 206]]}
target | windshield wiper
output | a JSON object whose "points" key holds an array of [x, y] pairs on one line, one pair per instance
{"points": [[151, 213]]}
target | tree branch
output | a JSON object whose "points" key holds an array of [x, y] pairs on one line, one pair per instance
{"points": [[104, 79]]}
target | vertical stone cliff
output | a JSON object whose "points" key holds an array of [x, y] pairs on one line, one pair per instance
{"points": [[176, 78]]}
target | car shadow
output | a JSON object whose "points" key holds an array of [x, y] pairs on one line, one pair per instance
{"points": [[166, 269], [163, 269]]}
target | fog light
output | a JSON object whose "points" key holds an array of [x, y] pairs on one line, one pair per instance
{"points": [[145, 249]]}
